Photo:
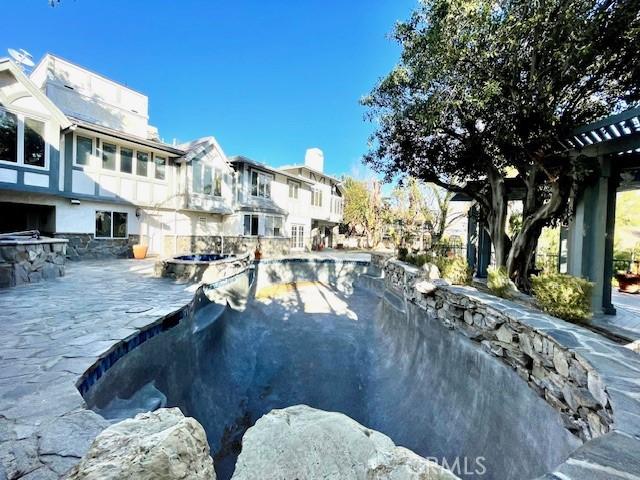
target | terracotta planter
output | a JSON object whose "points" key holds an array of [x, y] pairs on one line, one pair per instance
{"points": [[140, 251], [257, 255], [628, 282]]}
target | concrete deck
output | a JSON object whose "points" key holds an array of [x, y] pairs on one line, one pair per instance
{"points": [[626, 322], [50, 333]]}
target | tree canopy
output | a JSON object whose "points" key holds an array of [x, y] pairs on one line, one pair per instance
{"points": [[485, 89]]}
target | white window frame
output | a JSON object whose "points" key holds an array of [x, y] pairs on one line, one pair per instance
{"points": [[268, 180], [260, 223], [111, 212], [119, 161], [296, 241], [101, 156], [316, 201], [269, 220], [295, 186], [95, 161], [215, 171], [94, 148], [20, 117]]}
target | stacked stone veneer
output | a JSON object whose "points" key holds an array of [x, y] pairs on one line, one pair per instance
{"points": [[200, 271], [181, 244], [30, 261], [508, 331], [84, 246]]}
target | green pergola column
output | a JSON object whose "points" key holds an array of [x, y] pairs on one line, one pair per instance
{"points": [[590, 237]]}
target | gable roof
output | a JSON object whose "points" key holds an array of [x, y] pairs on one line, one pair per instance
{"points": [[267, 168], [288, 168], [7, 65]]}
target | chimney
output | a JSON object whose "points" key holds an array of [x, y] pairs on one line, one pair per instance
{"points": [[314, 159]]}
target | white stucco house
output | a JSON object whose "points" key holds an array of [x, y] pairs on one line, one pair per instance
{"points": [[80, 160]]}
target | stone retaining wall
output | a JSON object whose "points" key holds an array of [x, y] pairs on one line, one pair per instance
{"points": [[199, 271], [84, 246], [509, 332], [31, 261], [271, 246]]}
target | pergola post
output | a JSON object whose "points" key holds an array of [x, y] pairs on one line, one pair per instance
{"points": [[484, 250], [472, 237], [590, 237]]}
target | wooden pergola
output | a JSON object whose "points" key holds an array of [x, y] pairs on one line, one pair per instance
{"points": [[587, 243]]}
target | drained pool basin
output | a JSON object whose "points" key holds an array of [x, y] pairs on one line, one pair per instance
{"points": [[301, 333]]}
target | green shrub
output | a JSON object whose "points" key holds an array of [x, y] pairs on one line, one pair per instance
{"points": [[454, 269], [418, 259], [563, 296], [499, 282], [403, 253]]}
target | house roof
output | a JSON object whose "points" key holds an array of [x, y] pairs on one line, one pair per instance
{"points": [[94, 127], [200, 146], [313, 170], [8, 65], [266, 168], [50, 56]]}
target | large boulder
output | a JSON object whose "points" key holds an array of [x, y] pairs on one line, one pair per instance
{"points": [[302, 442], [160, 445]]}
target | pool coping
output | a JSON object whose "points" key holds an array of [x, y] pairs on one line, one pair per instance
{"points": [[614, 455]]}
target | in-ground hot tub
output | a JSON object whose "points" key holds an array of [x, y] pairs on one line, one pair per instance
{"points": [[321, 342], [201, 267]]}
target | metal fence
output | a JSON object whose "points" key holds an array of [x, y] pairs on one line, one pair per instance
{"points": [[548, 262]]}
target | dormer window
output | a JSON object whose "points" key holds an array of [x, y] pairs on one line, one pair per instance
{"points": [[261, 184]]}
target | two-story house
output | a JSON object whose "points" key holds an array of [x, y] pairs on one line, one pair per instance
{"points": [[79, 160], [323, 213], [290, 208]]}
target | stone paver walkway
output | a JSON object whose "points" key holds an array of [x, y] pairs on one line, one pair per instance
{"points": [[50, 334]]}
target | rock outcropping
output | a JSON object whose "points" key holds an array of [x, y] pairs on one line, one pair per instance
{"points": [[302, 442], [160, 445]]}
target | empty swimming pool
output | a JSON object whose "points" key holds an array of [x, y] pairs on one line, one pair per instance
{"points": [[299, 333]]}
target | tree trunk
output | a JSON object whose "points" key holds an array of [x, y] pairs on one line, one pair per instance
{"points": [[497, 218], [525, 243]]}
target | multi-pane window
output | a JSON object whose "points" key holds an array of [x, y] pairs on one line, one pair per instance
{"points": [[316, 197], [217, 183], [142, 163], [196, 166], [111, 224], [84, 150], [108, 156], [33, 142], [294, 187], [126, 160], [8, 136], [161, 165], [251, 223], [297, 236], [336, 205], [260, 184], [273, 226], [205, 179], [32, 139]]}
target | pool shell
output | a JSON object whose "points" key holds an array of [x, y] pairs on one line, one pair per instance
{"points": [[605, 449]]}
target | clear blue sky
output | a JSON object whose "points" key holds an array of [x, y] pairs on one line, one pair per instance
{"points": [[267, 78]]}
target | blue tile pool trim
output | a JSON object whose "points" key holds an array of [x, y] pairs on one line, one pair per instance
{"points": [[95, 372]]}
